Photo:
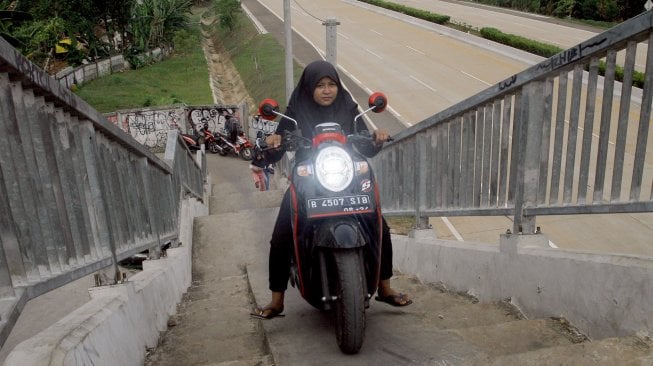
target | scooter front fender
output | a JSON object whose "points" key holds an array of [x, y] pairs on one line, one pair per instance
{"points": [[339, 233]]}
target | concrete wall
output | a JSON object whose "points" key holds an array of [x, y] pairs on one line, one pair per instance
{"points": [[150, 126], [603, 295], [120, 321], [85, 73]]}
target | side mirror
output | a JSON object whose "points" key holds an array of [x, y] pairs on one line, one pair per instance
{"points": [[267, 108], [378, 101]]}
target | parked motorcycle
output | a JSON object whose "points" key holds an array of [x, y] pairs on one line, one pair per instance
{"points": [[242, 147], [193, 142], [336, 219], [203, 136]]}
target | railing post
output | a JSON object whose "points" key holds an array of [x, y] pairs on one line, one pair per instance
{"points": [[528, 141], [419, 157]]}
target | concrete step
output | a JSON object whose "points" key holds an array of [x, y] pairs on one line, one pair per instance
{"points": [[256, 361], [217, 311], [446, 309], [634, 350], [518, 336], [232, 201]]}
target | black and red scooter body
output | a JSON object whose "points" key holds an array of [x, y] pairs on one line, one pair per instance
{"points": [[325, 220]]}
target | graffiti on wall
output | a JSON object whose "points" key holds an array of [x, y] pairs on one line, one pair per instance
{"points": [[258, 123], [150, 127], [214, 116]]}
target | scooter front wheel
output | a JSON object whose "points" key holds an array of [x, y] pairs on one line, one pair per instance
{"points": [[350, 306]]}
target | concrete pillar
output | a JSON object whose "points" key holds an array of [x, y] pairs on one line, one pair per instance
{"points": [[331, 40]]}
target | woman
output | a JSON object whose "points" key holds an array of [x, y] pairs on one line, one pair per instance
{"points": [[318, 97]]}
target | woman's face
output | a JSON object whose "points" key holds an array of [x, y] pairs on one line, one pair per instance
{"points": [[325, 92]]}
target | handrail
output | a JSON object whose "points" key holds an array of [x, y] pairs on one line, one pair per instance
{"points": [[532, 144], [77, 194]]}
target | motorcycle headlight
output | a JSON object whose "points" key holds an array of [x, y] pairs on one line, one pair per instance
{"points": [[334, 168]]}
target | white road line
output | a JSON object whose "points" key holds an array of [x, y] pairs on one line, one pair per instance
{"points": [[261, 29], [343, 36], [416, 50], [368, 50], [552, 245], [474, 77], [379, 33], [393, 111], [452, 229], [425, 85], [593, 134]]}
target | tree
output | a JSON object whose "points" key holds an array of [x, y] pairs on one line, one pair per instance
{"points": [[564, 8], [155, 21]]}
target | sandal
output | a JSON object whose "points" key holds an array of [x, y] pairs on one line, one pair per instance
{"points": [[395, 300], [266, 313]]}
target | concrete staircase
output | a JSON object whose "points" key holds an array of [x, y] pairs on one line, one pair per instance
{"points": [[230, 249]]}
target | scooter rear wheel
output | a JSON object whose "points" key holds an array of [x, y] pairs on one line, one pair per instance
{"points": [[246, 153], [213, 147], [350, 306]]}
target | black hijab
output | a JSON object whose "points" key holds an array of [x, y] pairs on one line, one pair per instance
{"points": [[308, 113], [303, 108]]}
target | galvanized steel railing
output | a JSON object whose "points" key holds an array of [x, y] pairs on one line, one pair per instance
{"points": [[557, 138], [77, 194]]}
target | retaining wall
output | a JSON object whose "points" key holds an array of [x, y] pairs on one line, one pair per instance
{"points": [[603, 295]]}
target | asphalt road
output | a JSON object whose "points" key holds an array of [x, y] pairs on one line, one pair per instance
{"points": [[541, 28], [424, 68]]}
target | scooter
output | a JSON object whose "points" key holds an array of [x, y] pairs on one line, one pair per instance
{"points": [[203, 136], [193, 142], [242, 147], [336, 218]]}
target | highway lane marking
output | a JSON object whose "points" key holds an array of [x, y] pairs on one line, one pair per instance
{"points": [[452, 228], [392, 110], [369, 92], [593, 134], [416, 50], [424, 84], [370, 51], [344, 36], [474, 77], [379, 33]]}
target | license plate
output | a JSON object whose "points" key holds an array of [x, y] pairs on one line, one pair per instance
{"points": [[330, 206]]}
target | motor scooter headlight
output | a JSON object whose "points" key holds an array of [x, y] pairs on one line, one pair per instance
{"points": [[334, 168]]}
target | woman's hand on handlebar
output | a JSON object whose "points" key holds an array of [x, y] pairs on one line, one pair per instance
{"points": [[381, 136], [273, 141]]}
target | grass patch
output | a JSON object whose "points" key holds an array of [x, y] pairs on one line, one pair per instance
{"points": [[400, 224]]}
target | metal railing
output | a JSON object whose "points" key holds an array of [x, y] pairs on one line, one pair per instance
{"points": [[77, 194], [562, 137]]}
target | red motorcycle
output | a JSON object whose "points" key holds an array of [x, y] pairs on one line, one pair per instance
{"points": [[203, 136], [336, 222], [241, 147]]}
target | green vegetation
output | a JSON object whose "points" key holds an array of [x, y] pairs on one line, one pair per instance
{"points": [[598, 11], [528, 45], [417, 13], [259, 59], [53, 34], [183, 78]]}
